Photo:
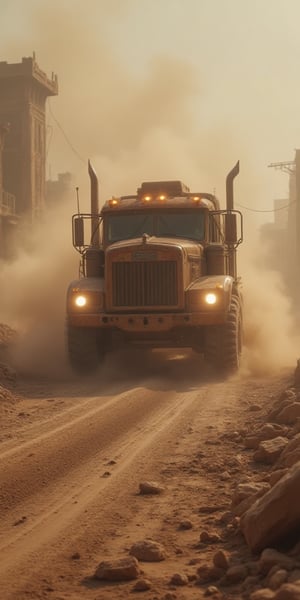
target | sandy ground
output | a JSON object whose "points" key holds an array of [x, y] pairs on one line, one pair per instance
{"points": [[73, 454]]}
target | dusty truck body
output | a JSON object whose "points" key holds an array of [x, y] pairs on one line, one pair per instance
{"points": [[158, 269]]}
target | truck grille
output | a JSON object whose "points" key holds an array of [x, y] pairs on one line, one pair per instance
{"points": [[144, 283]]}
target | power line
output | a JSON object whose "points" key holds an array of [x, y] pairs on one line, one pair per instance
{"points": [[266, 211], [65, 135]]}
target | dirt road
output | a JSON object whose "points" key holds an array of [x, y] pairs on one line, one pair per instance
{"points": [[72, 456]]}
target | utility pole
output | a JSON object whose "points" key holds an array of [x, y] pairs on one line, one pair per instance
{"points": [[292, 168]]}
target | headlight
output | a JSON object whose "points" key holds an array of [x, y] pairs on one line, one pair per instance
{"points": [[80, 301], [210, 298], [85, 301]]}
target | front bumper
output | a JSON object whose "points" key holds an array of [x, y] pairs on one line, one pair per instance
{"points": [[158, 322]]}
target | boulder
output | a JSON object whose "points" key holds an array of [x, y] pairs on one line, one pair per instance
{"points": [[276, 475], [270, 450], [275, 515], [142, 585], [249, 489], [148, 551], [235, 574], [277, 579], [288, 591], [262, 594], [289, 413], [291, 453], [207, 573], [150, 487], [220, 560], [287, 397], [207, 537], [267, 432], [122, 569], [179, 579]]}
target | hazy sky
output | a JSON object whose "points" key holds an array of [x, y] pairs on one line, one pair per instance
{"points": [[167, 88], [161, 89]]}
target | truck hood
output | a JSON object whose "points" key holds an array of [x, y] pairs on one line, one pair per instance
{"points": [[147, 243]]}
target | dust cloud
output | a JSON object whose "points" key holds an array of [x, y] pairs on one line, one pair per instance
{"points": [[271, 337], [133, 129], [33, 289]]}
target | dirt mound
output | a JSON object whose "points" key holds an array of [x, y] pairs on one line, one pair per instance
{"points": [[7, 335], [7, 374]]}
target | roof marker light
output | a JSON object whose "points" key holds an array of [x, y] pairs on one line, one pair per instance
{"points": [[113, 201]]}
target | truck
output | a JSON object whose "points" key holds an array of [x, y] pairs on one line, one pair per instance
{"points": [[158, 269]]}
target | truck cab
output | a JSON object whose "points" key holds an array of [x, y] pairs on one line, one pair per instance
{"points": [[157, 270]]}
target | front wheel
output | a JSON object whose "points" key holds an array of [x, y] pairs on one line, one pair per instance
{"points": [[85, 349], [224, 342]]}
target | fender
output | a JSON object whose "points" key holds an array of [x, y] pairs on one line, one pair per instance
{"points": [[220, 285]]}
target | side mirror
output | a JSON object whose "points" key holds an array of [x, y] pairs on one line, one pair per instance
{"points": [[230, 228], [78, 232]]}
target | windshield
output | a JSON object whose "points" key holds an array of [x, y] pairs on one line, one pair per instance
{"points": [[182, 224]]}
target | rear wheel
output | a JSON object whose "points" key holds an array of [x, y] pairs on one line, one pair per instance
{"points": [[224, 342], [85, 349]]}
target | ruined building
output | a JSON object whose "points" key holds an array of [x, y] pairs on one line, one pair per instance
{"points": [[24, 89], [283, 235], [8, 218]]}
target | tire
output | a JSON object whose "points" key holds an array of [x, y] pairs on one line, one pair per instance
{"points": [[224, 342], [84, 349]]}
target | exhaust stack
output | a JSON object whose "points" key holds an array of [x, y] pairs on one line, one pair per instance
{"points": [[229, 185], [95, 234]]}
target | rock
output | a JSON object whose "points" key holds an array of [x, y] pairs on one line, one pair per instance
{"points": [[262, 594], [148, 551], [288, 591], [272, 558], [276, 475], [225, 476], [209, 538], [289, 413], [179, 579], [267, 432], [251, 581], [277, 579], [270, 450], [186, 524], [252, 441], [275, 515], [291, 453], [142, 585], [235, 574], [294, 576], [7, 374], [122, 569], [207, 573], [295, 428], [6, 396], [211, 590], [272, 430], [150, 487], [255, 407], [243, 506], [8, 337], [220, 560], [249, 490], [287, 397]]}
